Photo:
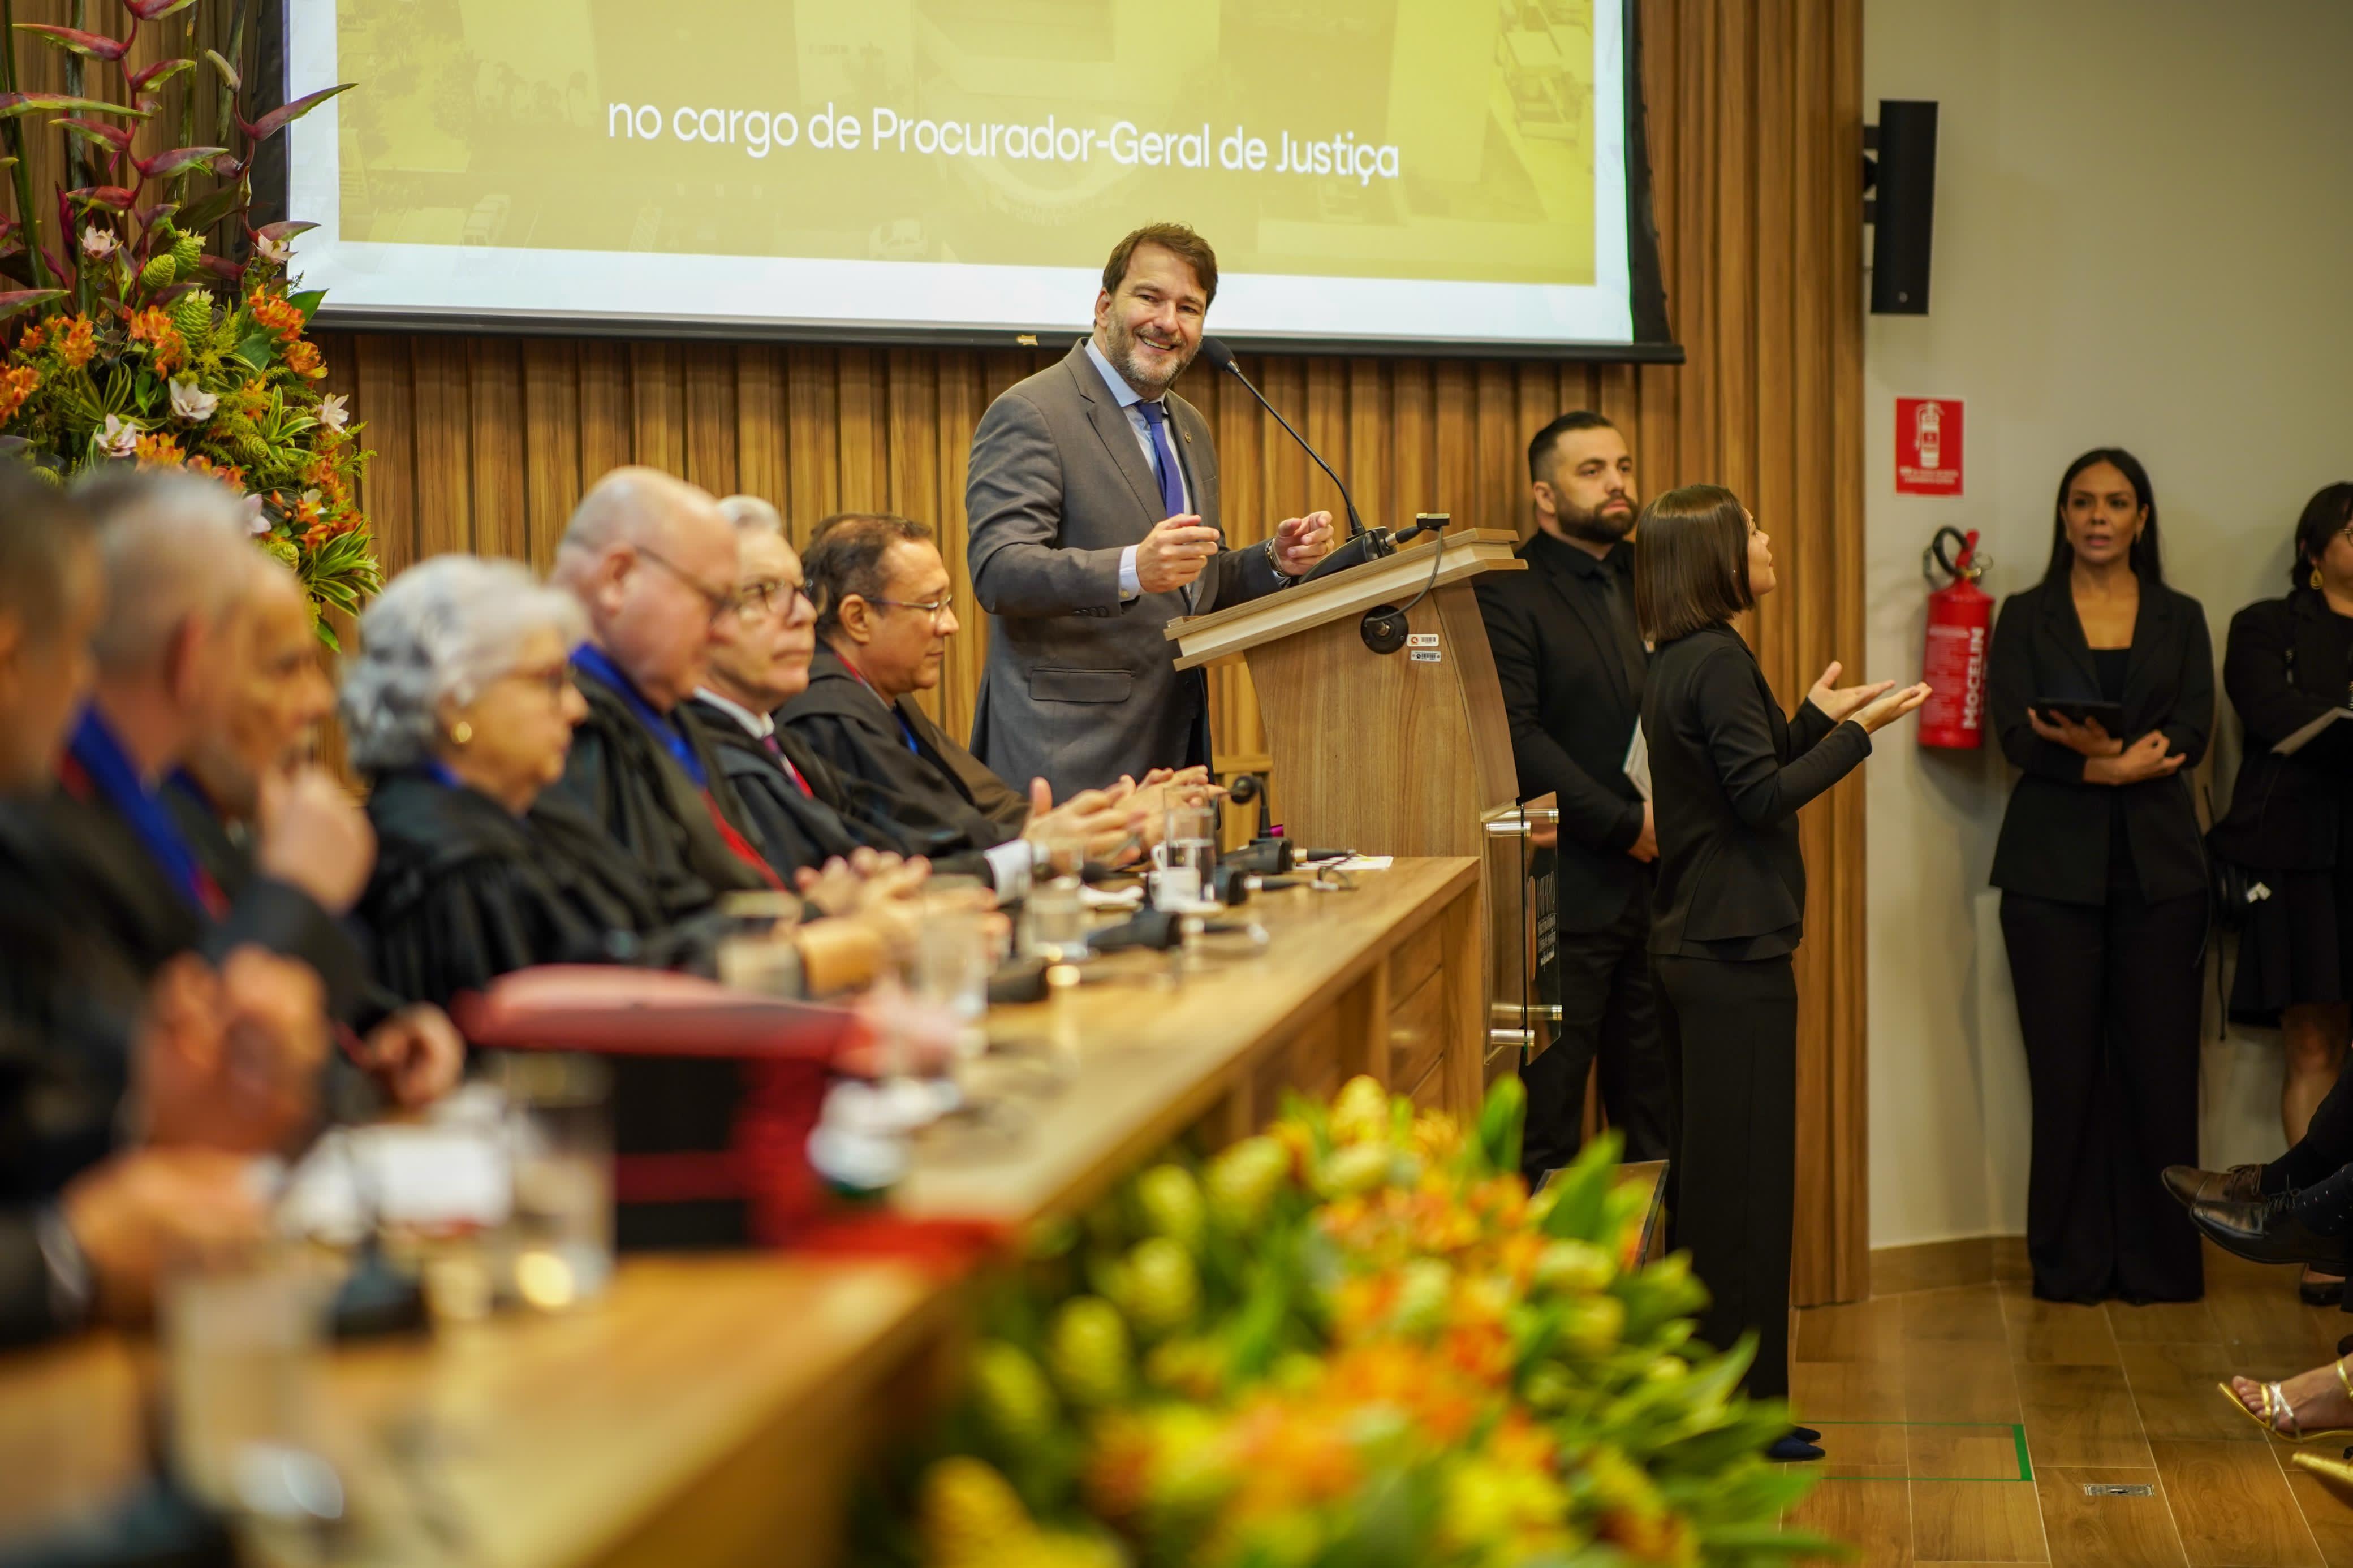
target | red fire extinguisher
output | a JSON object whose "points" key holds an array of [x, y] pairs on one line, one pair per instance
{"points": [[1960, 622]]}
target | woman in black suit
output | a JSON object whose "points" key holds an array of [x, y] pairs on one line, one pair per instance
{"points": [[2105, 896], [1728, 777], [2289, 662]]}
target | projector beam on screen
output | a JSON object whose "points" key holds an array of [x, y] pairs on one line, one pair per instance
{"points": [[929, 171]]}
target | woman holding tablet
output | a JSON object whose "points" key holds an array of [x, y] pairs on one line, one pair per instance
{"points": [[2105, 896], [1727, 775]]}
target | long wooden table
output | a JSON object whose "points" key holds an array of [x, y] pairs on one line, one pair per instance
{"points": [[713, 1410]]}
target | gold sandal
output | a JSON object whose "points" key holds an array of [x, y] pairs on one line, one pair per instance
{"points": [[2277, 1408], [2336, 1475]]}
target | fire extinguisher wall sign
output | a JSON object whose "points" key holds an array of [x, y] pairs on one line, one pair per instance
{"points": [[1928, 446], [1960, 623]]}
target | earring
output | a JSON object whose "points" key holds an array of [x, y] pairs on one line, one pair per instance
{"points": [[2315, 576], [461, 733]]}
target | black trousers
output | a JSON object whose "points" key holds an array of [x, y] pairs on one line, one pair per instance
{"points": [[1735, 1026], [2110, 1004], [2327, 1145], [1608, 1012]]}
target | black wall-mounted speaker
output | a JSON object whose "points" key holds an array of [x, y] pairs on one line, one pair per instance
{"points": [[1905, 206]]}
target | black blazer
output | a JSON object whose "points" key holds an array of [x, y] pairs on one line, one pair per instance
{"points": [[1573, 709], [2284, 667], [1728, 777], [2054, 836]]}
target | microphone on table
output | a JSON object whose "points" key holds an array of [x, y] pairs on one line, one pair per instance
{"points": [[1363, 544]]}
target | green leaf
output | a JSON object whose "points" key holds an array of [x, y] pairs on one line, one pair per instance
{"points": [[258, 348], [209, 209], [178, 162], [89, 45], [14, 104], [307, 302], [17, 301]]}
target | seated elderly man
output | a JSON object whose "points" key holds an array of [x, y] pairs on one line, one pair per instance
{"points": [[461, 708], [230, 776], [884, 622], [98, 1187], [652, 563], [804, 811], [177, 562]]}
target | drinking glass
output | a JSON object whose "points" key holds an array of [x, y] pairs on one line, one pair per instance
{"points": [[755, 950], [243, 1336], [1054, 917], [1187, 857], [559, 1242]]}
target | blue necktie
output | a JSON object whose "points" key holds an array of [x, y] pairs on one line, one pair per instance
{"points": [[1172, 481]]}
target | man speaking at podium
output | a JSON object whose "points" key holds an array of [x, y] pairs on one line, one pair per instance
{"points": [[1094, 517]]}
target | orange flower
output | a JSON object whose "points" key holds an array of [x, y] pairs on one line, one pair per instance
{"points": [[228, 474], [157, 450], [303, 359], [153, 328], [36, 335], [15, 385], [78, 343], [275, 314]]}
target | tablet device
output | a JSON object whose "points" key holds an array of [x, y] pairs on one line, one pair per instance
{"points": [[2110, 716]]}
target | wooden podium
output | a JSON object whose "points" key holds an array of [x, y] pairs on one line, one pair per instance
{"points": [[1407, 753]]}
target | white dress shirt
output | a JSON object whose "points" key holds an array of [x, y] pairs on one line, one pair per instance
{"points": [[1131, 403]]}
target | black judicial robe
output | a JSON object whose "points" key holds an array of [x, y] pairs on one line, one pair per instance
{"points": [[69, 1001], [464, 891], [936, 789], [628, 783]]}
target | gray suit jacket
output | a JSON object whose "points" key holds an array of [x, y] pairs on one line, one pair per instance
{"points": [[1079, 687]]}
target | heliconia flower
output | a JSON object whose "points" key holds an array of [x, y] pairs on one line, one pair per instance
{"points": [[118, 438], [192, 403], [98, 243], [274, 251], [334, 411]]}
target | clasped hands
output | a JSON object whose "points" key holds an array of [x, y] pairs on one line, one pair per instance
{"points": [[2107, 760], [1178, 548]]}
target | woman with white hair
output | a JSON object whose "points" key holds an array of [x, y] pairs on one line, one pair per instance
{"points": [[460, 709]]}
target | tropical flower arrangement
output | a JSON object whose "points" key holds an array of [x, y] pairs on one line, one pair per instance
{"points": [[132, 345], [1355, 1340]]}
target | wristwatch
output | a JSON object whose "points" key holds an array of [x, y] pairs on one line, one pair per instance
{"points": [[1277, 566]]}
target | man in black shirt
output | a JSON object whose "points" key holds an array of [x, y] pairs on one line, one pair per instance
{"points": [[1570, 658]]}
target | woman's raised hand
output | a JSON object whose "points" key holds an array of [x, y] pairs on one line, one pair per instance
{"points": [[1880, 713], [1841, 702]]}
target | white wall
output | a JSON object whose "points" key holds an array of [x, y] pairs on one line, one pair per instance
{"points": [[2144, 238]]}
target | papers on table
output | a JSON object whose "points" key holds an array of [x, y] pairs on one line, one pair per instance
{"points": [[2310, 732]]}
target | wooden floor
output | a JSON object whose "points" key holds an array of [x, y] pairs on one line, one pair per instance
{"points": [[1963, 1426]]}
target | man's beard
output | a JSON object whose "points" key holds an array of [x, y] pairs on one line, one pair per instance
{"points": [[1123, 357], [1603, 526]]}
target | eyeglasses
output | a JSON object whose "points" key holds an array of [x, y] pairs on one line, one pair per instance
{"points": [[554, 678], [772, 597], [721, 604], [935, 609]]}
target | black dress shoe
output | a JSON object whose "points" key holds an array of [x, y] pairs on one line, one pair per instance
{"points": [[2238, 1184], [2266, 1232], [1791, 1448], [1808, 1433]]}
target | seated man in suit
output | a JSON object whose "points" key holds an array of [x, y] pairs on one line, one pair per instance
{"points": [[652, 562], [1093, 499], [266, 736], [87, 1218], [1572, 663], [805, 811], [177, 562], [884, 622]]}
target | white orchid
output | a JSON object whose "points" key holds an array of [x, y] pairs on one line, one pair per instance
{"points": [[334, 411], [274, 251], [98, 244], [119, 438], [256, 522], [192, 403]]}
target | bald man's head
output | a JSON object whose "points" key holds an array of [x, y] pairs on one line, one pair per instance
{"points": [[175, 550], [652, 559]]}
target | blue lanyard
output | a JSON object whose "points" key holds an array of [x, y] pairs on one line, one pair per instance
{"points": [[590, 660], [110, 772]]}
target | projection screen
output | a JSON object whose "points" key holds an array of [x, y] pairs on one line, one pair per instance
{"points": [[1404, 175]]}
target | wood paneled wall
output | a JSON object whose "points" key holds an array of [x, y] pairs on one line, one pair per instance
{"points": [[485, 444]]}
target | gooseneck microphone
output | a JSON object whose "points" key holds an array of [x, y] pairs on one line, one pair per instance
{"points": [[1363, 544]]}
